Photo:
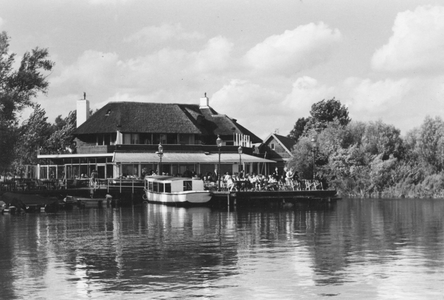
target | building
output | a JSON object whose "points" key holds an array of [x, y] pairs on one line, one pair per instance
{"points": [[278, 148], [130, 139]]}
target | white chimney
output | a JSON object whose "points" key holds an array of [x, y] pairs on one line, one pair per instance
{"points": [[82, 110], [204, 102]]}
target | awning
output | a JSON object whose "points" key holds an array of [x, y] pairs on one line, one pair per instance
{"points": [[73, 155], [202, 158]]}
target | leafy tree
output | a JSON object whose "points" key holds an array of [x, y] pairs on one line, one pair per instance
{"points": [[34, 134], [382, 139], [298, 129], [61, 138], [324, 112], [430, 143], [17, 89], [302, 161]]}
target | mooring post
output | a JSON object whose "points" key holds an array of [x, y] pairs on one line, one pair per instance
{"points": [[228, 200]]}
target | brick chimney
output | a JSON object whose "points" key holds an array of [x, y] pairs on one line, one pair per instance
{"points": [[82, 110]]}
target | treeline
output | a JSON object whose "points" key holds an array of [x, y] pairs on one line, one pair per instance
{"points": [[369, 159], [20, 84]]}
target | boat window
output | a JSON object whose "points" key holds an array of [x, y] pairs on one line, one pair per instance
{"points": [[187, 185], [155, 186], [167, 187], [150, 186], [161, 188]]}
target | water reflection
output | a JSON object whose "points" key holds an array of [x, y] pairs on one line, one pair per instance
{"points": [[372, 249]]}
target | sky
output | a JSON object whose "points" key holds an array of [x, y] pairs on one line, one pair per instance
{"points": [[262, 62]]}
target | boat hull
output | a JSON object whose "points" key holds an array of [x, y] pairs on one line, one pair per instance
{"points": [[186, 197]]}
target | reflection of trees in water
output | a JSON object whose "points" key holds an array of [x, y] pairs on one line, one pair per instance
{"points": [[364, 231], [154, 246]]}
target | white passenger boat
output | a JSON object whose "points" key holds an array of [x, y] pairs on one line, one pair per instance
{"points": [[175, 190]]}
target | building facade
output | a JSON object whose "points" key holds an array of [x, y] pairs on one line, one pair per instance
{"points": [[279, 149], [131, 139]]}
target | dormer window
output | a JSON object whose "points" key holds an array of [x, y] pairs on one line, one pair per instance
{"points": [[272, 146]]}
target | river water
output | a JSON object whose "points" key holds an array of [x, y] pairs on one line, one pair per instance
{"points": [[352, 249]]}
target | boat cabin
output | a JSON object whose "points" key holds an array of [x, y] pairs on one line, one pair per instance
{"points": [[170, 184]]}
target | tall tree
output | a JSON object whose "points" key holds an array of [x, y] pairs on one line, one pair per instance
{"points": [[324, 112], [61, 138], [430, 143], [34, 134], [17, 90], [382, 139], [298, 129]]}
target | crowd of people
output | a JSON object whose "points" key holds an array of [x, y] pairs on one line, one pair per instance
{"points": [[289, 180]]}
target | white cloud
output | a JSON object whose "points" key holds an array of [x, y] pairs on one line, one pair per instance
{"points": [[305, 92], [108, 2], [372, 98], [166, 68], [1, 22], [417, 42], [92, 69], [165, 32], [294, 50], [215, 55], [254, 106]]}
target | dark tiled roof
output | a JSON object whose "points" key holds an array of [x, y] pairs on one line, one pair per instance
{"points": [[138, 117]]}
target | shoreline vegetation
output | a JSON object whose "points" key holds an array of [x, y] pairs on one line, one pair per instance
{"points": [[369, 159]]}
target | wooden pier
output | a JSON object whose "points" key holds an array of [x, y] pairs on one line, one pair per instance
{"points": [[253, 198]]}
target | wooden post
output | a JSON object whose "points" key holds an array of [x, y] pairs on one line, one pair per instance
{"points": [[228, 200]]}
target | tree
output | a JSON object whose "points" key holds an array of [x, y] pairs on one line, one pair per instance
{"points": [[430, 143], [324, 112], [382, 139], [34, 134], [298, 129], [17, 89], [61, 138]]}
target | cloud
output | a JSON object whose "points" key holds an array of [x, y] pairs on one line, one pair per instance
{"points": [[215, 55], [93, 69], [294, 50], [305, 92], [416, 44], [1, 22], [163, 33], [254, 106], [161, 76], [372, 98], [108, 2]]}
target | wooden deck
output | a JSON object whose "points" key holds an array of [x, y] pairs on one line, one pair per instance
{"points": [[266, 197]]}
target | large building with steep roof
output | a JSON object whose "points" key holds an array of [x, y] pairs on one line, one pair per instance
{"points": [[122, 140]]}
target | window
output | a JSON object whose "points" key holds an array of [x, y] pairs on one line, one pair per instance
{"points": [[127, 138], [167, 187], [130, 138], [159, 138], [272, 146], [171, 138], [145, 138], [187, 185], [150, 186], [186, 139], [155, 186], [135, 138]]}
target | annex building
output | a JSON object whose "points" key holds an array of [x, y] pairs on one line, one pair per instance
{"points": [[130, 139]]}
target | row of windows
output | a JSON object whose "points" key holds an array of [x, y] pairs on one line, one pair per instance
{"points": [[160, 187], [149, 138]]}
